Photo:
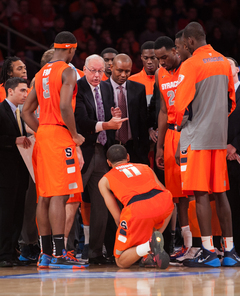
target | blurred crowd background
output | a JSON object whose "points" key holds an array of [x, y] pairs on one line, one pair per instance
{"points": [[124, 25]]}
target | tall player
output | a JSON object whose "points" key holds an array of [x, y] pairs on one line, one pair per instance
{"points": [[207, 80], [57, 163], [168, 136]]}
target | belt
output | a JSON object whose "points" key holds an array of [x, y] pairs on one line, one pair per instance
{"points": [[62, 126], [172, 126], [144, 196]]}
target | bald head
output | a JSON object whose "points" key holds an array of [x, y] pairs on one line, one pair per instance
{"points": [[123, 58], [121, 68], [194, 36]]}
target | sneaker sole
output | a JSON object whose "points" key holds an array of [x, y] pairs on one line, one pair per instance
{"points": [[161, 256], [63, 266], [229, 262]]}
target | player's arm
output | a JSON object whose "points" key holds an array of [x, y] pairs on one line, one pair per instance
{"points": [[109, 199], [69, 79], [28, 111], [162, 129]]}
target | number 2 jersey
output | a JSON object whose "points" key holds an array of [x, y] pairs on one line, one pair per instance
{"points": [[48, 83], [168, 82]]}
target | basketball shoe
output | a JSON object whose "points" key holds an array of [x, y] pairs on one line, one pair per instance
{"points": [[156, 245], [204, 258]]}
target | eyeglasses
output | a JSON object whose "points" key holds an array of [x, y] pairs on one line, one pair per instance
{"points": [[93, 71]]}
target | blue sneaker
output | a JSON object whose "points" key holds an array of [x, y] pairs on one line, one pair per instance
{"points": [[66, 261], [204, 258], [44, 261], [231, 258], [159, 255]]}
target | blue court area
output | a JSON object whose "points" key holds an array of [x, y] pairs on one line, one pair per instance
{"points": [[60, 274]]}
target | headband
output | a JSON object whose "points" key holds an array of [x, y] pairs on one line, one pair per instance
{"points": [[65, 45]]}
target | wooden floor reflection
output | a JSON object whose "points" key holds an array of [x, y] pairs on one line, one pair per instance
{"points": [[111, 281]]}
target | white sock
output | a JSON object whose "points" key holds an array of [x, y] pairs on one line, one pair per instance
{"points": [[228, 243], [187, 236], [65, 242], [143, 249], [86, 234], [207, 242]]}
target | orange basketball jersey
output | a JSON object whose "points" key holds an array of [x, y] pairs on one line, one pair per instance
{"points": [[128, 180], [48, 83], [168, 82]]}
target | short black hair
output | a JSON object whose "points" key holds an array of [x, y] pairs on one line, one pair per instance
{"points": [[65, 37], [7, 67], [179, 34], [194, 30], [109, 50], [147, 45], [13, 83], [235, 62], [116, 153], [164, 41]]}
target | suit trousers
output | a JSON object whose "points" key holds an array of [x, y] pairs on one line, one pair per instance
{"points": [[234, 199], [99, 213], [12, 202]]}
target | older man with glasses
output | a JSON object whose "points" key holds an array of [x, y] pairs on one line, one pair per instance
{"points": [[97, 119]]}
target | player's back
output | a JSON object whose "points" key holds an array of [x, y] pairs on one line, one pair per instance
{"points": [[128, 180], [48, 83], [206, 87]]}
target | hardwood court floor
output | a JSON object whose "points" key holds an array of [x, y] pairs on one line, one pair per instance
{"points": [[111, 281]]}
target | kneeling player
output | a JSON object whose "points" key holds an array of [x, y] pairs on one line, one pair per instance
{"points": [[147, 206]]}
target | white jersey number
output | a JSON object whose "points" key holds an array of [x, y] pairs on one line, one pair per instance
{"points": [[131, 172]]}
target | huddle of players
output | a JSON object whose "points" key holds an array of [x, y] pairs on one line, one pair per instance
{"points": [[168, 79]]}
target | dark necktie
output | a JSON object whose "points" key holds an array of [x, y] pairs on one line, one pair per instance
{"points": [[102, 137], [123, 131]]}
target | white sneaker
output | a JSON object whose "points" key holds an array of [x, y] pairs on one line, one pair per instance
{"points": [[190, 254]]}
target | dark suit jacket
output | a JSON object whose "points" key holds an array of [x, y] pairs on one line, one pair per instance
{"points": [[137, 110], [86, 117], [234, 124], [12, 166], [154, 108]]}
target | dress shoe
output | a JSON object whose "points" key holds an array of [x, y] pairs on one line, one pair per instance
{"points": [[6, 263], [100, 260]]}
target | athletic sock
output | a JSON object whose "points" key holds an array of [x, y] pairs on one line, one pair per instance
{"points": [[65, 242], [143, 249], [46, 244], [86, 234], [187, 236], [58, 244], [207, 242], [228, 243]]}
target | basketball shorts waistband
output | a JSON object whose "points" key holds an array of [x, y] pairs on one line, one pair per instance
{"points": [[144, 196]]}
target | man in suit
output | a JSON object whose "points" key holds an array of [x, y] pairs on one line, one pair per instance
{"points": [[130, 97], [13, 171], [93, 114], [233, 150]]}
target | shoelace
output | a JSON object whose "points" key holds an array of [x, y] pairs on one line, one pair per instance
{"points": [[70, 255], [182, 250]]}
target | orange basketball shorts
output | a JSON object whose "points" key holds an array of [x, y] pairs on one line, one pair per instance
{"points": [[76, 197], [56, 165], [204, 170], [171, 169], [138, 219]]}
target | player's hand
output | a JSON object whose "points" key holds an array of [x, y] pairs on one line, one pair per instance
{"points": [[153, 134], [79, 139], [160, 159], [177, 154], [24, 141], [80, 157], [116, 112]]}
